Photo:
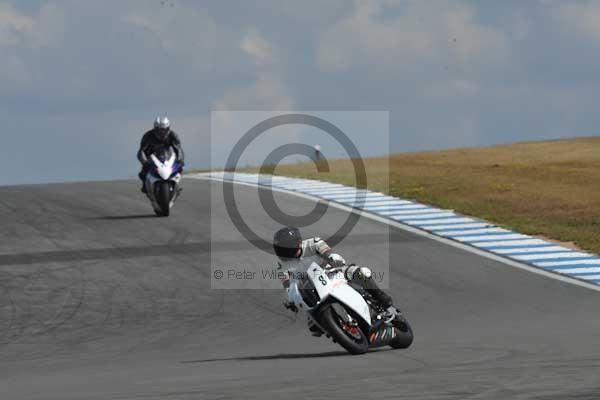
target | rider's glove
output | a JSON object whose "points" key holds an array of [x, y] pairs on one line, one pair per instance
{"points": [[336, 261], [290, 306]]}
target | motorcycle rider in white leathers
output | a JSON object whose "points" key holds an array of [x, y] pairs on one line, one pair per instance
{"points": [[296, 255]]}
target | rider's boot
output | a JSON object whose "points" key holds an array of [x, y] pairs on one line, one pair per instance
{"points": [[314, 329], [390, 314], [142, 176]]}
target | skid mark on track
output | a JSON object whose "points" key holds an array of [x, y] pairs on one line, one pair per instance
{"points": [[177, 247], [11, 318], [71, 305]]}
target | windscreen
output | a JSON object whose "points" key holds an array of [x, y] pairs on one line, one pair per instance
{"points": [[163, 153]]}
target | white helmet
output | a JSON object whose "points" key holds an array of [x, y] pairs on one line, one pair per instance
{"points": [[162, 123], [162, 127]]}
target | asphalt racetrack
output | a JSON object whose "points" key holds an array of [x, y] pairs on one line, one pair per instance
{"points": [[99, 299]]}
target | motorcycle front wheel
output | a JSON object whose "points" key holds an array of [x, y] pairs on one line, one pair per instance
{"points": [[344, 331], [163, 199]]}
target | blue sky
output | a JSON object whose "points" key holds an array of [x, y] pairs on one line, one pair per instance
{"points": [[80, 81]]}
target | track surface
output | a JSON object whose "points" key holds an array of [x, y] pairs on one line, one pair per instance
{"points": [[100, 300]]}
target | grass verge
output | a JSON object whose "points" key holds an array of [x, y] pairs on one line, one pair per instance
{"points": [[545, 188]]}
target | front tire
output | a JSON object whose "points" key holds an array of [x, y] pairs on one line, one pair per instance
{"points": [[163, 199], [355, 342]]}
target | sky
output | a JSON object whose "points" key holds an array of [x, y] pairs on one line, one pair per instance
{"points": [[81, 81]]}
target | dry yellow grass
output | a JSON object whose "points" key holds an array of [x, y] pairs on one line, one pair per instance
{"points": [[547, 188]]}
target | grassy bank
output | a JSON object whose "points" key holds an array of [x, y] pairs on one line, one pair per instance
{"points": [[547, 188]]}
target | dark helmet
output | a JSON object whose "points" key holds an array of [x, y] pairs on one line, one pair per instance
{"points": [[287, 243], [162, 128]]}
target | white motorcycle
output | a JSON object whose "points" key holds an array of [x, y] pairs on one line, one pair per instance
{"points": [[162, 181], [346, 312]]}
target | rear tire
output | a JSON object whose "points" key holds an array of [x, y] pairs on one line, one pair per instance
{"points": [[164, 199], [404, 334], [331, 322]]}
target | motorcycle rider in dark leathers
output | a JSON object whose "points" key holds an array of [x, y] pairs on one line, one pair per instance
{"points": [[295, 253], [160, 136]]}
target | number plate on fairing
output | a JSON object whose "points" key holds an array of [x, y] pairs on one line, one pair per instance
{"points": [[340, 290]]}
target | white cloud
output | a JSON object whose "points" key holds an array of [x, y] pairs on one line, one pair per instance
{"points": [[470, 39], [579, 18], [41, 30], [423, 32], [22, 35], [311, 11], [14, 26], [257, 47], [187, 32], [50, 26], [266, 93], [263, 95]]}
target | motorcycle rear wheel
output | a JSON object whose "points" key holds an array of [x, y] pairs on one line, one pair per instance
{"points": [[404, 334]]}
